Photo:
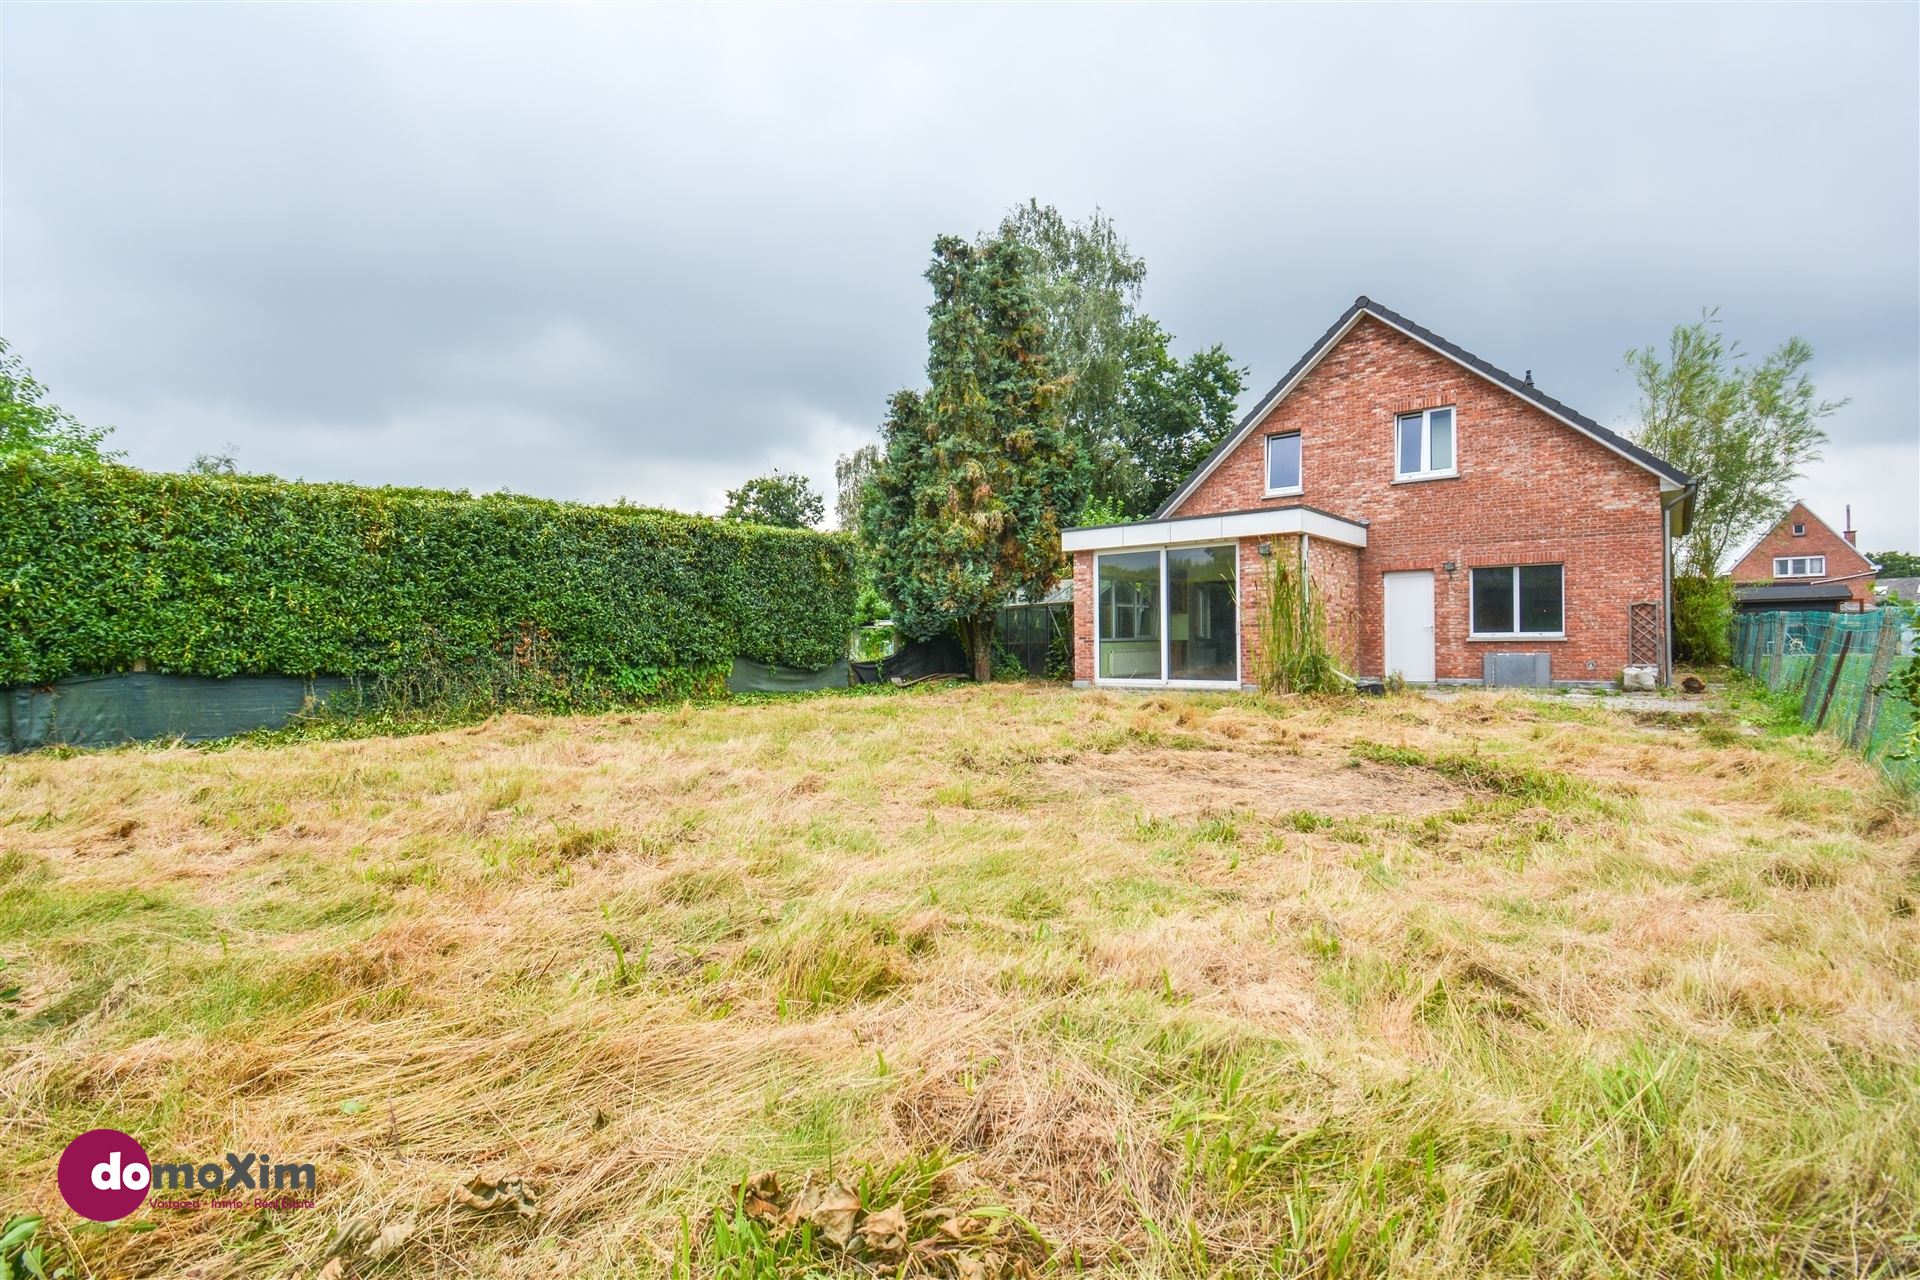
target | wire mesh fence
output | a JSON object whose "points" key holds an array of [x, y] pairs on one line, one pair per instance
{"points": [[1837, 664]]}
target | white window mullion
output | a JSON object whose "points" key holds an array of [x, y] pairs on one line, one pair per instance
{"points": [[1166, 620]]}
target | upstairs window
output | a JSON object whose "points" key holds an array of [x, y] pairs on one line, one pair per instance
{"points": [[1423, 445], [1799, 566], [1799, 530], [1519, 600], [1283, 464]]}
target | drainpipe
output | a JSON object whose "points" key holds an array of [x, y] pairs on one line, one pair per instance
{"points": [[1666, 595]]}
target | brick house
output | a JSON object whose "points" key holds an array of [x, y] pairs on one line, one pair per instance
{"points": [[1447, 513], [1802, 551]]}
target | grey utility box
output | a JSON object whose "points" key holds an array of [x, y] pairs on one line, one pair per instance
{"points": [[1517, 670]]}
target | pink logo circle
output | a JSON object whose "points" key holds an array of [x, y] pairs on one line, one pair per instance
{"points": [[104, 1175]]}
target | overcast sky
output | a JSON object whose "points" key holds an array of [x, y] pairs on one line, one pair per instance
{"points": [[599, 252]]}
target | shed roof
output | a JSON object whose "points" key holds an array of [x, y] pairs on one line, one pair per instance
{"points": [[1794, 593]]}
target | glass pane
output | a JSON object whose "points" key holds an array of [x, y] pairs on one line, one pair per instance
{"points": [[1202, 623], [1129, 615], [1440, 456], [1540, 598], [1283, 462], [1492, 601], [1409, 444]]}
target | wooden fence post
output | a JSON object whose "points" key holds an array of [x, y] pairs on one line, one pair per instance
{"points": [[1833, 681], [1812, 695], [1885, 642]]}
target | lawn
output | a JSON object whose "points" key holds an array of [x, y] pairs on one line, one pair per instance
{"points": [[1166, 985]]}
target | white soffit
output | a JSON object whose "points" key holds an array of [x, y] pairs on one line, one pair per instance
{"points": [[1221, 528]]}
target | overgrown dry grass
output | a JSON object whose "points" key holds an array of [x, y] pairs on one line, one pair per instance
{"points": [[1195, 984]]}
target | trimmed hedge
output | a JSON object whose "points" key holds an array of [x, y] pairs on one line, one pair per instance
{"points": [[103, 567]]}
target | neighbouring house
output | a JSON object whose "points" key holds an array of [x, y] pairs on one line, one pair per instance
{"points": [[1904, 590], [1457, 524], [1801, 563]]}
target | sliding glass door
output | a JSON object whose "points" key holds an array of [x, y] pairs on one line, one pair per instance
{"points": [[1202, 631], [1130, 616], [1168, 616]]}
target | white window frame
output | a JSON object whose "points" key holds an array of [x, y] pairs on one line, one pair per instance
{"points": [[1166, 664], [1799, 529], [1266, 459], [1426, 471], [1514, 570], [1816, 566]]}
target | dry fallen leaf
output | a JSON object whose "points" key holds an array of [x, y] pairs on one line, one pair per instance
{"points": [[833, 1215], [759, 1197], [507, 1192], [391, 1239], [336, 1269], [885, 1232]]}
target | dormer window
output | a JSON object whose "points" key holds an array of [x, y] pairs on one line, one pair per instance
{"points": [[1283, 465], [1423, 445]]}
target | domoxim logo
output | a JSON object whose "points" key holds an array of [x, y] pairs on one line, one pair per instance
{"points": [[104, 1175]]}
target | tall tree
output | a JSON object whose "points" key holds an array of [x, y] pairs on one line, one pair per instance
{"points": [[31, 423], [1134, 411], [851, 474], [1087, 285], [779, 497], [1742, 431], [979, 473], [1172, 413], [226, 462]]}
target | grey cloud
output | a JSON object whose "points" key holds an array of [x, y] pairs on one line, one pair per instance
{"points": [[597, 251]]}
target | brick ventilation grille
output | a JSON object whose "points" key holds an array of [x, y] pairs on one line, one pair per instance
{"points": [[1643, 633]]}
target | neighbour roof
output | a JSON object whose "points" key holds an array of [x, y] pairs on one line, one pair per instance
{"points": [[1364, 305], [1800, 504], [1793, 591], [1907, 589]]}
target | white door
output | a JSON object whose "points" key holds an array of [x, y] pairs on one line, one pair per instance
{"points": [[1409, 625]]}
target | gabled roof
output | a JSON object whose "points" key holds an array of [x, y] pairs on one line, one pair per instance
{"points": [[1671, 477], [1800, 504]]}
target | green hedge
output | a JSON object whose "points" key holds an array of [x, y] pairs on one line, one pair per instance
{"points": [[1702, 620], [103, 567]]}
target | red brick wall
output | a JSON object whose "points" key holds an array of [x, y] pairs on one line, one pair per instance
{"points": [[1530, 490], [1843, 561], [1085, 605]]}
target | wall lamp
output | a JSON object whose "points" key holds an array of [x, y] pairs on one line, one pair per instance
{"points": [[1265, 548]]}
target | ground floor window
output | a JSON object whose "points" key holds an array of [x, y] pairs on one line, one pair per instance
{"points": [[1519, 600], [1168, 615]]}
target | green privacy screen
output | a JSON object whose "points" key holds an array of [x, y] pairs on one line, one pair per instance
{"points": [[141, 706], [1837, 665]]}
